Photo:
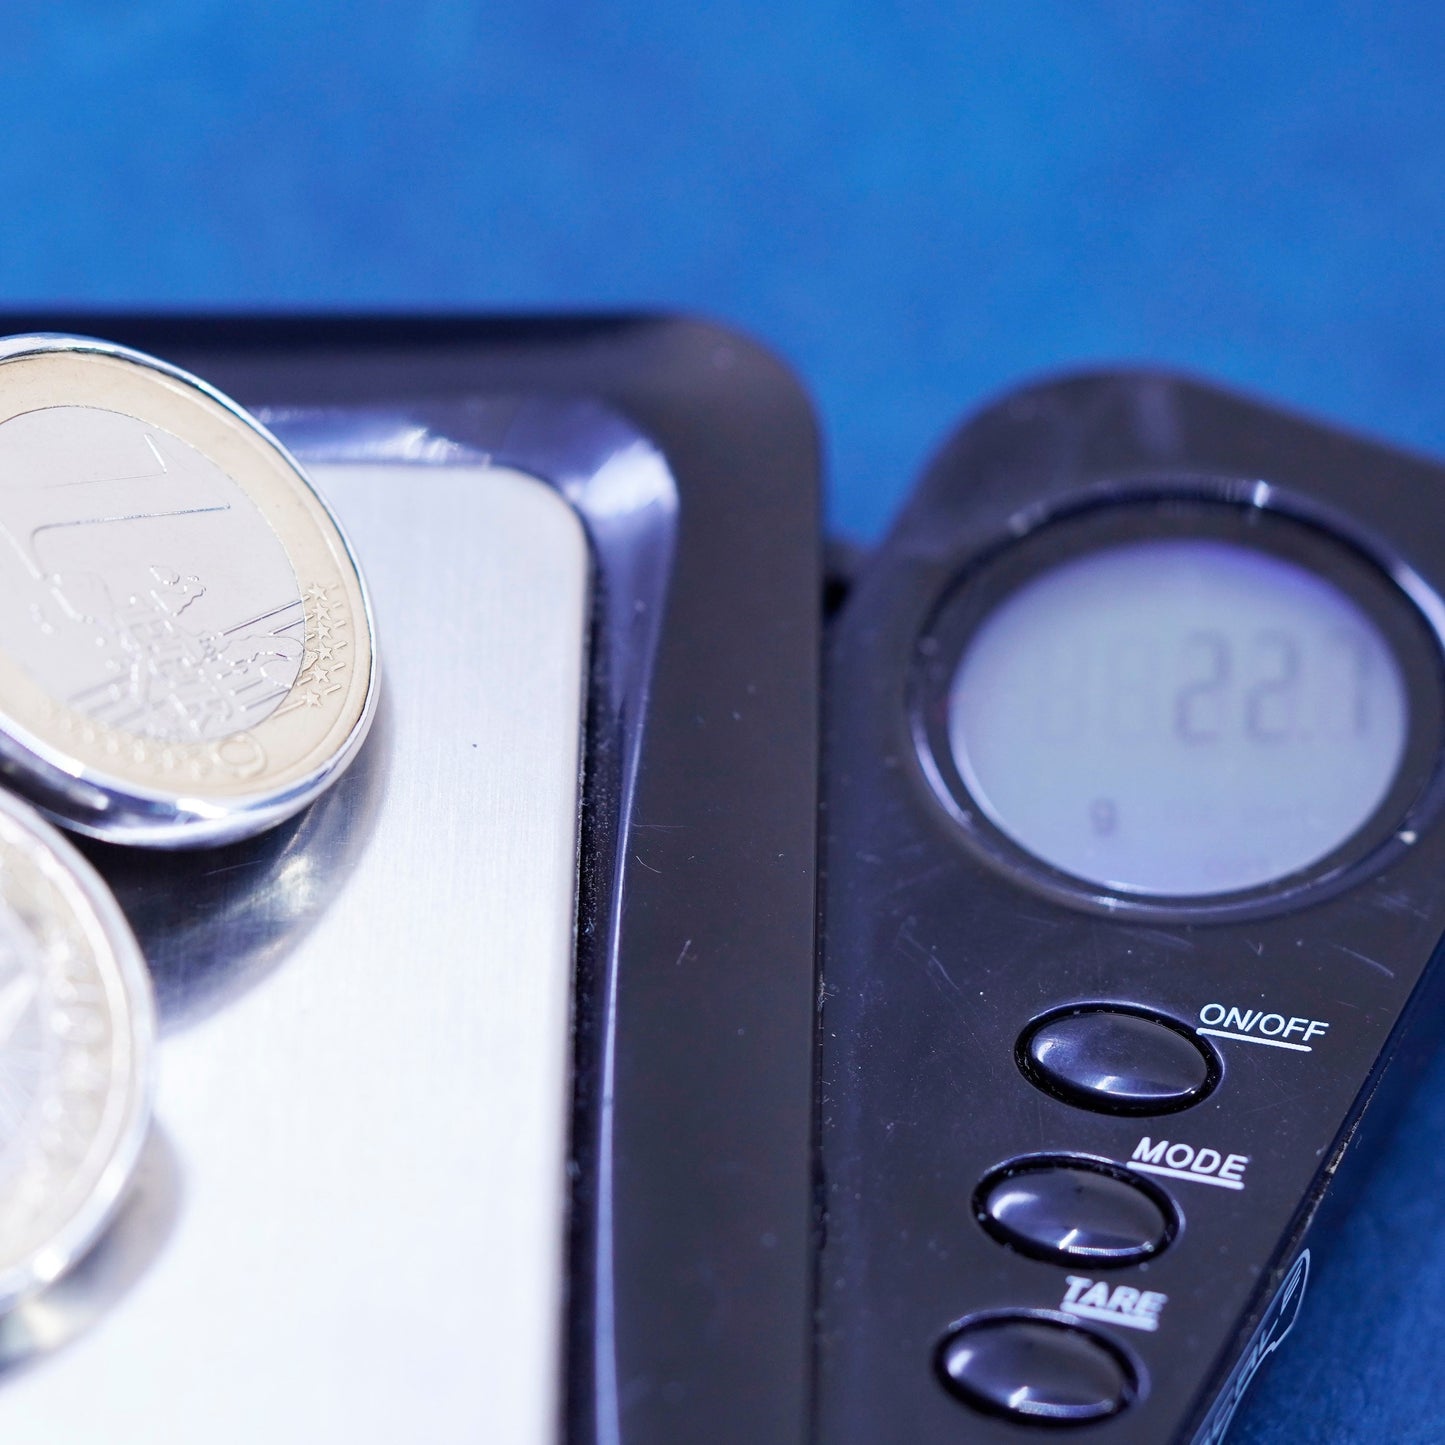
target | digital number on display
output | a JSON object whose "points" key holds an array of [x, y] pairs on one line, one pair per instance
{"points": [[1178, 716]]}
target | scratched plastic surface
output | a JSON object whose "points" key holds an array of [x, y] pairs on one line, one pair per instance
{"points": [[939, 949]]}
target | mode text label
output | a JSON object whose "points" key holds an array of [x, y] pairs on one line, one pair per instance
{"points": [[1185, 1161]]}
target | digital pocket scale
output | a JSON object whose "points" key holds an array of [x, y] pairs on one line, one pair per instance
{"points": [[1134, 869], [1134, 846]]}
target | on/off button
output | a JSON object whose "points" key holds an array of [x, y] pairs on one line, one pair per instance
{"points": [[1118, 1059]]}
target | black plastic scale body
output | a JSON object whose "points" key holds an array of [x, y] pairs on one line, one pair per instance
{"points": [[1004, 1042]]}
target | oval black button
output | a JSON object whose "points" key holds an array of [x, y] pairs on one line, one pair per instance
{"points": [[1036, 1370], [1072, 1212], [1118, 1063]]}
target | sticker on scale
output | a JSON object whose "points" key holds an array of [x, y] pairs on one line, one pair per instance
{"points": [[1279, 1319], [1120, 1304], [1185, 1161], [1261, 1026]]}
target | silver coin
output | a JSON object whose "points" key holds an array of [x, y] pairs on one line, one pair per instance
{"points": [[76, 1030], [186, 644]]}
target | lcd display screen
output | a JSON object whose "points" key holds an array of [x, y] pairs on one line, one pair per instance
{"points": [[1178, 717]]}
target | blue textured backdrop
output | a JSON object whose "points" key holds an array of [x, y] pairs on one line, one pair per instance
{"points": [[916, 207]]}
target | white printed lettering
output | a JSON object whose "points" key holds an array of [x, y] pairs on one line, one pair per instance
{"points": [[1255, 1026], [1185, 1161], [1123, 1305]]}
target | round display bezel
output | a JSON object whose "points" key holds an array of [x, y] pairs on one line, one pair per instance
{"points": [[1368, 580]]}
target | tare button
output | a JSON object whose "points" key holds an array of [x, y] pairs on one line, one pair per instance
{"points": [[1185, 1161]]}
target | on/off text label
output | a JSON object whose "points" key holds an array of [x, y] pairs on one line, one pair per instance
{"points": [[1261, 1026]]}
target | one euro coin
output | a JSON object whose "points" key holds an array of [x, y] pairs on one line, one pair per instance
{"points": [[76, 1038], [186, 644]]}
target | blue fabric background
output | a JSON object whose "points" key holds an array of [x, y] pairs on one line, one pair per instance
{"points": [[917, 206]]}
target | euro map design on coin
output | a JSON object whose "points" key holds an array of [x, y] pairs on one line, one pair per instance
{"points": [[186, 645], [76, 1033]]}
